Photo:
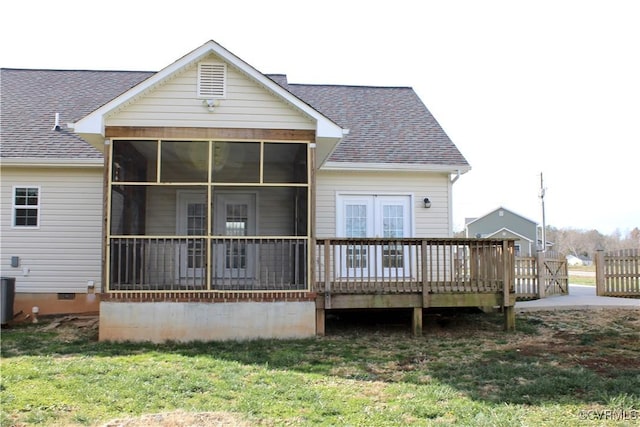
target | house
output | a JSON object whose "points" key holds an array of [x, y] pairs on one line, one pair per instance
{"points": [[211, 201], [575, 261], [504, 223], [51, 187]]}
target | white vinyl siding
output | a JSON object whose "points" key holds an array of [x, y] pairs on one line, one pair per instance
{"points": [[176, 103], [65, 251], [431, 222]]}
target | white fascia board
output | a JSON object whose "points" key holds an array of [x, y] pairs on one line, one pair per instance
{"points": [[506, 230], [399, 167], [94, 122], [48, 162]]}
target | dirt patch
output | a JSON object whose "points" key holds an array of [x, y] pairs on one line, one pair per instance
{"points": [[598, 341], [71, 327]]}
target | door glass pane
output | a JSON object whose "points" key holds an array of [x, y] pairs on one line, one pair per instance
{"points": [[237, 219], [196, 219], [392, 226], [356, 226], [356, 220], [392, 221], [196, 226]]}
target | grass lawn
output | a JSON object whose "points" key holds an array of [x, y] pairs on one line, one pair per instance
{"points": [[559, 368], [582, 275]]}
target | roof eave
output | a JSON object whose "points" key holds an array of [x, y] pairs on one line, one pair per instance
{"points": [[51, 162], [396, 167]]}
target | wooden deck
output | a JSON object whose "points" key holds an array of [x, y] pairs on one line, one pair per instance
{"points": [[414, 274], [337, 273]]}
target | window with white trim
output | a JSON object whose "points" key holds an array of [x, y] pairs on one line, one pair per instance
{"points": [[26, 206]]}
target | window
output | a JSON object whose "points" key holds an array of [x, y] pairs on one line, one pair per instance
{"points": [[26, 206]]}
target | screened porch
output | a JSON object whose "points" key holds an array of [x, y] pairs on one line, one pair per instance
{"points": [[208, 216]]}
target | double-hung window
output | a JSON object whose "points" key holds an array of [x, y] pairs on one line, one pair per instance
{"points": [[26, 206]]}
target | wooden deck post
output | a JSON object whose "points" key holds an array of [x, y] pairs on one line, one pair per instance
{"points": [[507, 281], [416, 322], [320, 322], [327, 272]]}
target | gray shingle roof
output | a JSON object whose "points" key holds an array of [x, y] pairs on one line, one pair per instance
{"points": [[386, 124], [31, 98]]}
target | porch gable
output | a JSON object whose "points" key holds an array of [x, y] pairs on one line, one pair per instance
{"points": [[164, 95]]}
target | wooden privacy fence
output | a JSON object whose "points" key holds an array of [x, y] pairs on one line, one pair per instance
{"points": [[618, 273], [542, 275]]}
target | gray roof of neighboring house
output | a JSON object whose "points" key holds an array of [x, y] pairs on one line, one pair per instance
{"points": [[386, 124]]}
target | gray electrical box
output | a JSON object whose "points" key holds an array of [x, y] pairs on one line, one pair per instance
{"points": [[15, 261]]}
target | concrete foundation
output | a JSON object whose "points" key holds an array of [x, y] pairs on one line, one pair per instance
{"points": [[201, 321], [50, 303]]}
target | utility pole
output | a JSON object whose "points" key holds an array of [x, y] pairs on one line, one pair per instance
{"points": [[544, 224]]}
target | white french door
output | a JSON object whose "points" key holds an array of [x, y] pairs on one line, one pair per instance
{"points": [[379, 216], [191, 221], [235, 215]]}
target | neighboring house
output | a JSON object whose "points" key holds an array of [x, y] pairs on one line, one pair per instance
{"points": [[503, 223], [216, 182], [575, 261]]}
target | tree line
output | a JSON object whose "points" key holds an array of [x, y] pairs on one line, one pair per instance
{"points": [[584, 243]]}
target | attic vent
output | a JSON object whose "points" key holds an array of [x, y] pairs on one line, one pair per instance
{"points": [[211, 80]]}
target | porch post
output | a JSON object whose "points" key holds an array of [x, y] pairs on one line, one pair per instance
{"points": [[106, 196], [311, 227]]}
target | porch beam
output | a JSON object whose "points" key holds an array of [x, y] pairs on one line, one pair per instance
{"points": [[465, 299], [369, 301], [208, 133]]}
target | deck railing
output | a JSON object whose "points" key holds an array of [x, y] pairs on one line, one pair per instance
{"points": [[387, 266], [341, 266], [207, 263]]}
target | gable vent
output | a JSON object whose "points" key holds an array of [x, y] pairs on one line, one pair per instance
{"points": [[211, 80]]}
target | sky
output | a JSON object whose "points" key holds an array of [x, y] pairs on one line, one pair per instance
{"points": [[523, 88]]}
